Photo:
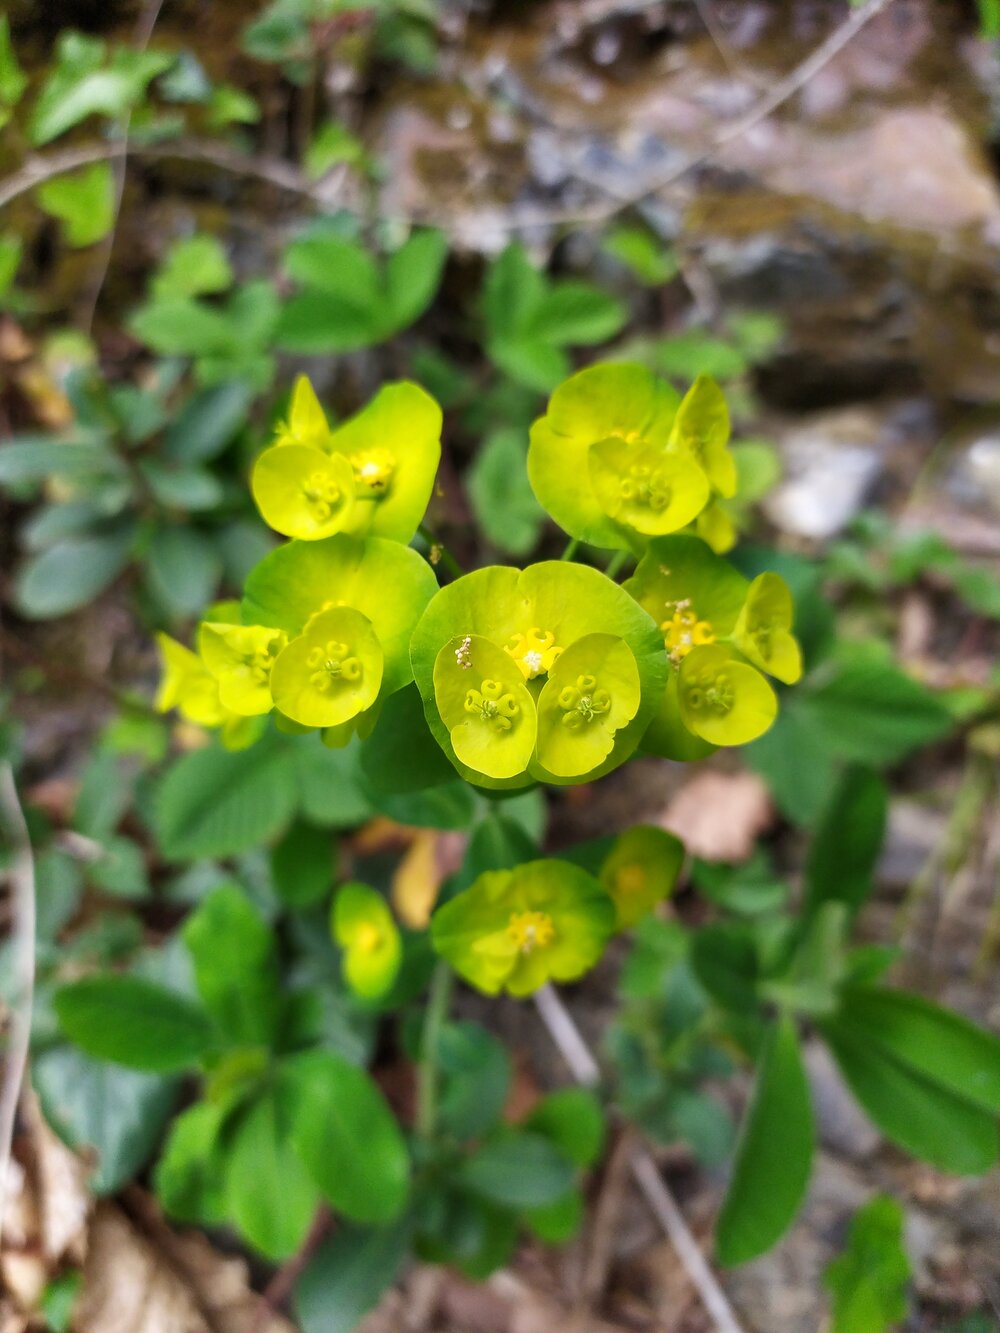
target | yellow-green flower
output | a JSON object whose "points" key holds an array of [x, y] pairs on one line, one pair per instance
{"points": [[551, 674], [240, 658], [341, 613], [188, 686], [641, 870], [517, 929], [718, 629], [372, 474], [363, 926]]}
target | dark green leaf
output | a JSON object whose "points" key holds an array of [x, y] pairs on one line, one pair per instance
{"points": [[331, 790], [134, 1023], [208, 422], [773, 1155], [33, 458], [215, 803], [102, 798], [724, 958], [235, 966], [518, 1170], [401, 755], [347, 1137], [920, 1115], [183, 569], [271, 1197], [119, 1113], [847, 842], [476, 1080], [346, 1276], [302, 865], [572, 1119], [504, 503], [70, 574]]}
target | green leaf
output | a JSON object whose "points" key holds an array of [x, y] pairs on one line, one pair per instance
{"points": [[572, 1119], [530, 361], [797, 761], [270, 1195], [401, 755], [847, 842], [940, 1045], [235, 966], [642, 253], [573, 312], [330, 785], [214, 802], [724, 958], [476, 1070], [84, 202], [518, 1170], [79, 87], [868, 1280], [102, 797], [13, 79], [181, 326], [313, 323], [502, 499], [190, 1174], [917, 1113], [11, 250], [346, 1276], [194, 266], [121, 870], [412, 275], [118, 1113], [302, 865], [773, 1155], [208, 422], [70, 574], [35, 457], [183, 569], [346, 1136], [870, 712], [134, 1023]]}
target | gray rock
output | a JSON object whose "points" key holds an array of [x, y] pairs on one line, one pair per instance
{"points": [[832, 461]]}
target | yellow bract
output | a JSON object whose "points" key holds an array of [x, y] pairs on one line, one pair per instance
{"points": [[331, 672], [240, 657]]}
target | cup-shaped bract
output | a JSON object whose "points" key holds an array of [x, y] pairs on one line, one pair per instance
{"points": [[640, 871], [330, 672], [716, 628], [550, 613], [374, 473], [487, 708], [348, 607], [187, 685], [608, 406], [645, 487], [592, 693], [303, 492], [363, 926], [723, 700], [515, 930], [240, 658], [702, 428], [763, 632]]}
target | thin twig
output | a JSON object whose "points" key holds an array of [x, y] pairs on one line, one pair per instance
{"points": [[282, 1284], [22, 882], [273, 171], [143, 32], [584, 1068]]}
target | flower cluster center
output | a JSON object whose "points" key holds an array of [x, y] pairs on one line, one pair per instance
{"points": [[535, 652], [647, 486], [322, 494], [710, 693], [531, 930], [368, 937], [582, 702], [683, 630], [493, 704], [374, 469], [331, 665]]}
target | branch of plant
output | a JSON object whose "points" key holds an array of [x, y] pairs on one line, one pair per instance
{"points": [[439, 554], [143, 32], [21, 878], [582, 1064], [438, 1002]]}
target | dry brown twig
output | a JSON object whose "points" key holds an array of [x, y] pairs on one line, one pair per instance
{"points": [[584, 1068]]}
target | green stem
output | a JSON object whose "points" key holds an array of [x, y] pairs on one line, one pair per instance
{"points": [[571, 549], [615, 564], [438, 1001], [439, 553]]}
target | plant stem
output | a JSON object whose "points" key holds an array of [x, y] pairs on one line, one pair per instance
{"points": [[572, 547], [22, 884], [439, 553], [584, 1068], [438, 1000], [615, 564]]}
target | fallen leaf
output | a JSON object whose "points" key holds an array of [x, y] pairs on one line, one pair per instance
{"points": [[719, 816]]}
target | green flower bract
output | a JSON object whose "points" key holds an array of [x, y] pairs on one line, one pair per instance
{"points": [[517, 929]]}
